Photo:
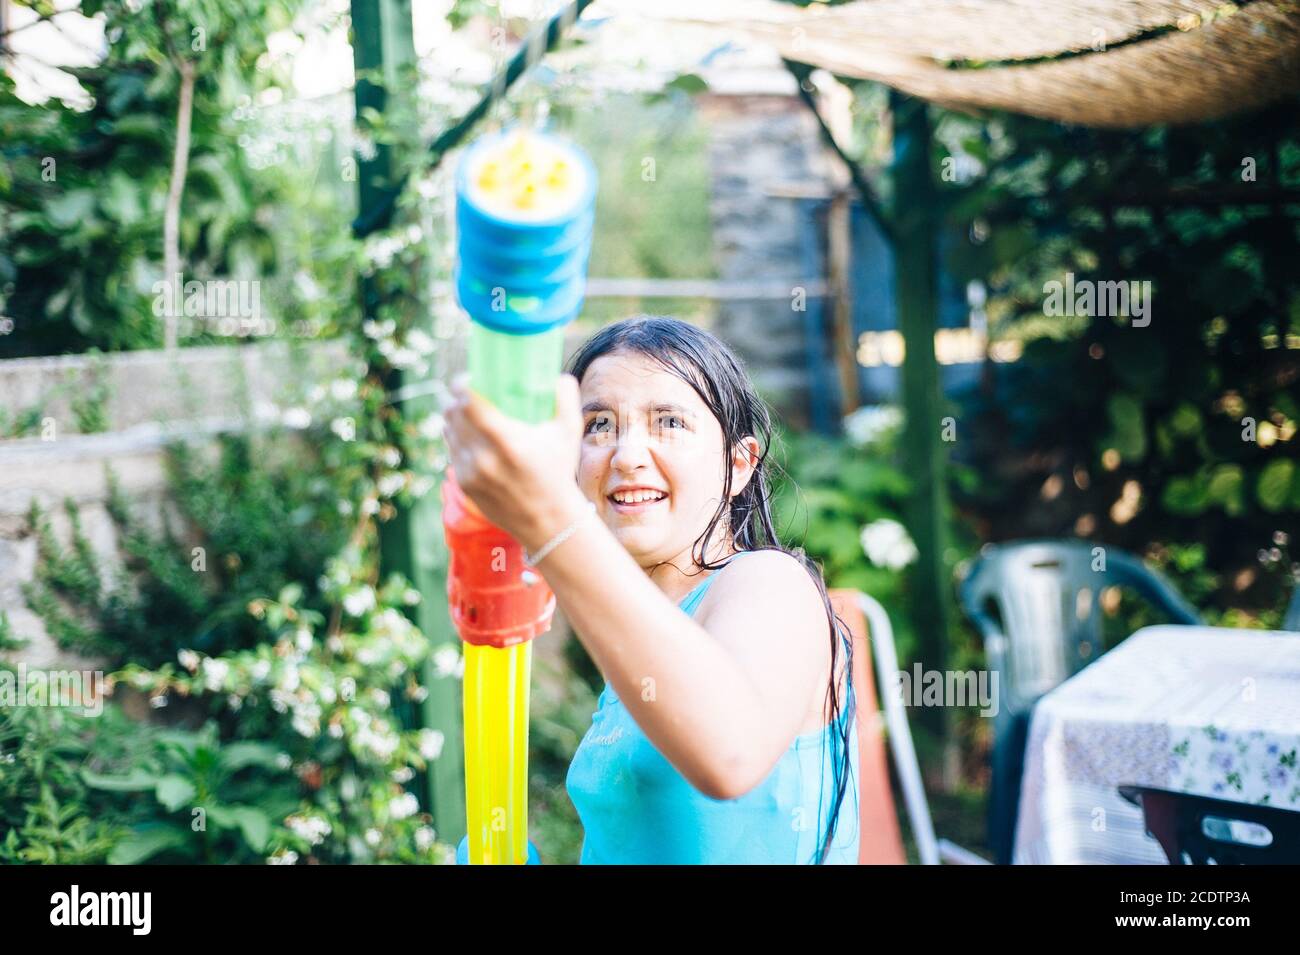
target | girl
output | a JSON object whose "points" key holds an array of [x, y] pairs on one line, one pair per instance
{"points": [[726, 730]]}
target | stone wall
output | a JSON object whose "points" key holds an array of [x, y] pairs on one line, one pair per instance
{"points": [[148, 399], [763, 150]]}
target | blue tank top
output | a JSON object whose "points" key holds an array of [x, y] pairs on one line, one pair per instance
{"points": [[636, 808]]}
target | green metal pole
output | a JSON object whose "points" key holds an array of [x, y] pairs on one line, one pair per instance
{"points": [[915, 275], [410, 542]]}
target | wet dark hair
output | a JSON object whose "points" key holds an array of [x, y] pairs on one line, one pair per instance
{"points": [[717, 375]]}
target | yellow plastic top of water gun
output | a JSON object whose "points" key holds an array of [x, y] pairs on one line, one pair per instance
{"points": [[526, 176]]}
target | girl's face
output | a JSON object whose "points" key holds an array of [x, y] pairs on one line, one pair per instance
{"points": [[653, 458]]}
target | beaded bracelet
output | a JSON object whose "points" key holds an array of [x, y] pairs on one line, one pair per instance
{"points": [[532, 559]]}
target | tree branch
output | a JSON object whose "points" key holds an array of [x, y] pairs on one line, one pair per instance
{"points": [[175, 189]]}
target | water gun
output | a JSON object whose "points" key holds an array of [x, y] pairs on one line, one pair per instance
{"points": [[525, 207]]}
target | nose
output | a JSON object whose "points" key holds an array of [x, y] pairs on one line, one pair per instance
{"points": [[632, 450]]}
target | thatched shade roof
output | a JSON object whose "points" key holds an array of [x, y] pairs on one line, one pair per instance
{"points": [[1118, 63]]}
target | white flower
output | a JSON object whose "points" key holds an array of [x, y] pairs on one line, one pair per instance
{"points": [[345, 428], [381, 249], [347, 688], [306, 719], [359, 601], [403, 806], [327, 694], [306, 285], [378, 330], [336, 730], [871, 422], [403, 774], [391, 483], [297, 418], [378, 740], [887, 544], [189, 660], [289, 679], [283, 857], [234, 701], [449, 661], [283, 760], [389, 456], [159, 701], [303, 640], [372, 837], [431, 743], [214, 674], [432, 426], [312, 828], [405, 357], [424, 837], [420, 341], [380, 697], [260, 670], [343, 389]]}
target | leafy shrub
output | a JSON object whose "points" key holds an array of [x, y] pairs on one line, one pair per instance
{"points": [[249, 524], [322, 693], [207, 804], [47, 813]]}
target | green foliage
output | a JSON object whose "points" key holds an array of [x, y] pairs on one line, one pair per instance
{"points": [[323, 695], [831, 490], [319, 673], [8, 640], [1178, 437], [47, 814], [90, 400], [83, 188], [207, 805], [250, 523], [19, 422]]}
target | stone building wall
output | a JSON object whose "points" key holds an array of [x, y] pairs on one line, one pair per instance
{"points": [[765, 148]]}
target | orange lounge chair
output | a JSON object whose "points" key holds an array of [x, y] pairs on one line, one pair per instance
{"points": [[882, 842]]}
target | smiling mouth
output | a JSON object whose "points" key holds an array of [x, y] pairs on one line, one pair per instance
{"points": [[637, 503]]}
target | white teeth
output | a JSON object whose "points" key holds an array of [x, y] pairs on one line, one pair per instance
{"points": [[636, 497]]}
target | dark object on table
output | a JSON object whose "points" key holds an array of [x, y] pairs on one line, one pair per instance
{"points": [[1199, 830], [1046, 627]]}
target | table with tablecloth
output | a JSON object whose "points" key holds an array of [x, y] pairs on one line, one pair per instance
{"points": [[1204, 710]]}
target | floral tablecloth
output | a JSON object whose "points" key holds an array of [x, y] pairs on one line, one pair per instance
{"points": [[1194, 709]]}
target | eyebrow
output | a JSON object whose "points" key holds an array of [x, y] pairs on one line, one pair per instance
{"points": [[591, 406]]}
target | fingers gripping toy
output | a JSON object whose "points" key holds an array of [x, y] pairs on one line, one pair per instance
{"points": [[525, 206]]}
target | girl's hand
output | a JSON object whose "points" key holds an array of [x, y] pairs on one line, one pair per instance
{"points": [[523, 477]]}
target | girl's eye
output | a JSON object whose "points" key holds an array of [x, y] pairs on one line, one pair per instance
{"points": [[598, 424], [672, 417]]}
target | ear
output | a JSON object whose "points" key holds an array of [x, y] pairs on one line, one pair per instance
{"points": [[744, 461]]}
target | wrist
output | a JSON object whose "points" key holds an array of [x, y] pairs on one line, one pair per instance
{"points": [[560, 514]]}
